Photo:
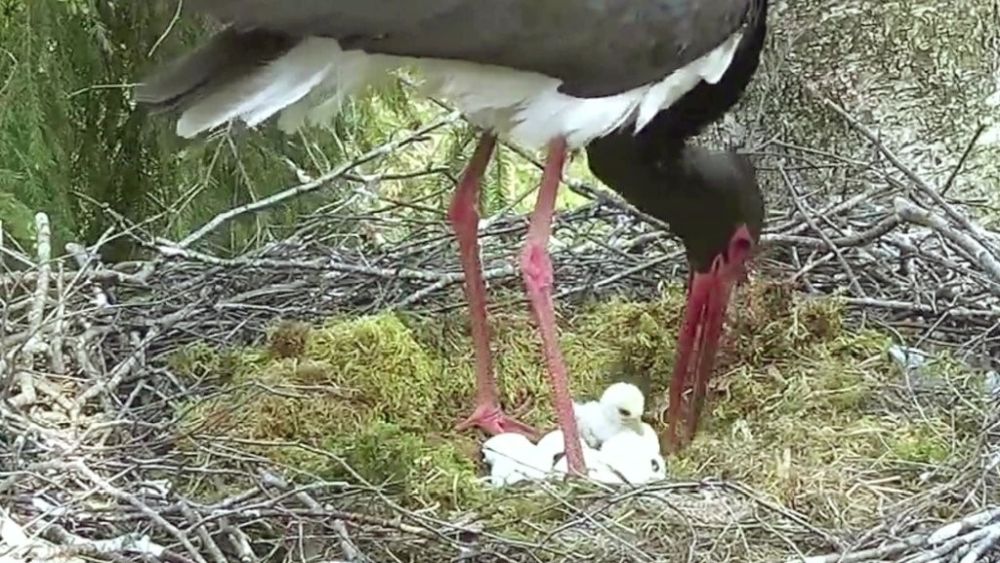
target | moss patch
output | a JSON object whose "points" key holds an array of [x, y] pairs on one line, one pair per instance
{"points": [[801, 407]]}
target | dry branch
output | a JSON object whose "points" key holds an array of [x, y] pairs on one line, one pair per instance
{"points": [[985, 259], [318, 182]]}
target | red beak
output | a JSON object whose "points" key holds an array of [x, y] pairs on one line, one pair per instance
{"points": [[708, 297]]}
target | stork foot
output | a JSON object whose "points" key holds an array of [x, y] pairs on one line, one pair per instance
{"points": [[492, 420]]}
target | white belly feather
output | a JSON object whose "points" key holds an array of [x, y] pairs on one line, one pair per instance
{"points": [[309, 83]]}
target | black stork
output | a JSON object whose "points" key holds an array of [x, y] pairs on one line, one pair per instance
{"points": [[554, 74]]}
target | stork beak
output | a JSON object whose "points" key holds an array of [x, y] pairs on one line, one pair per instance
{"points": [[708, 297], [634, 424]]}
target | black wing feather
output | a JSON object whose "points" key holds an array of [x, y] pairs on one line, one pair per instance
{"points": [[596, 47]]}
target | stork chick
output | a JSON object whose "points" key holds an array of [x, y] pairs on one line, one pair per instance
{"points": [[650, 439], [619, 408], [552, 446], [513, 458], [597, 468], [633, 458]]}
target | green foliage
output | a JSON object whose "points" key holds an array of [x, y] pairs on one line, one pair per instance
{"points": [[421, 468]]}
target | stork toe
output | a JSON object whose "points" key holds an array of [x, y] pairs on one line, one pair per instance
{"points": [[493, 420]]}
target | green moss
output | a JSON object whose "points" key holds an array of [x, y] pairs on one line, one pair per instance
{"points": [[288, 339], [415, 466], [199, 360], [920, 444], [380, 361], [799, 405]]}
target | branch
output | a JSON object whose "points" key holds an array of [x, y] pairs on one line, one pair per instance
{"points": [[44, 255], [116, 375], [910, 212], [923, 187], [153, 516], [855, 284], [317, 183]]}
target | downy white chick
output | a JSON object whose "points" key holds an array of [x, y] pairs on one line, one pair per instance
{"points": [[634, 457], [552, 446], [650, 438], [513, 458], [597, 468], [620, 407]]}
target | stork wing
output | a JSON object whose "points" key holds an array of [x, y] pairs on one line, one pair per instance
{"points": [[596, 47]]}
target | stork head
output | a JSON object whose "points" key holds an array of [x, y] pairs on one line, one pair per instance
{"points": [[719, 221], [712, 201], [624, 402]]}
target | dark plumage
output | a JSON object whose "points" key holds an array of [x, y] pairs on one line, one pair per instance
{"points": [[706, 197], [581, 42], [703, 195]]}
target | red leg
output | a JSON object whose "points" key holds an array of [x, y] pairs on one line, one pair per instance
{"points": [[465, 221], [536, 267]]}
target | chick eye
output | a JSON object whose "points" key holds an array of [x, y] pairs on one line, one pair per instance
{"points": [[624, 412], [655, 464]]}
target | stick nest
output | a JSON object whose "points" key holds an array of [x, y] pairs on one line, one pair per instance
{"points": [[295, 402]]}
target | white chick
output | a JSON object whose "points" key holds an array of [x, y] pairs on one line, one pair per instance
{"points": [[553, 445], [634, 458], [597, 469], [619, 408], [650, 438], [513, 458]]}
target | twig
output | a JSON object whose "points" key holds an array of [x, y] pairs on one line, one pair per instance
{"points": [[317, 264], [121, 370], [239, 541], [317, 183], [350, 550], [874, 554], [135, 502], [59, 327], [990, 539], [918, 182], [961, 160], [910, 307], [855, 284], [909, 212], [206, 538], [950, 546], [35, 344], [955, 529], [44, 255]]}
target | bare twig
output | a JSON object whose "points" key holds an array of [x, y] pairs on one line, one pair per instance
{"points": [[855, 284], [909, 212], [318, 182]]}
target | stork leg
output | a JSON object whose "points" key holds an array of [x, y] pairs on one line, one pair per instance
{"points": [[536, 267], [464, 219]]}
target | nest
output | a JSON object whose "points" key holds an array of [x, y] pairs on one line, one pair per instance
{"points": [[101, 460]]}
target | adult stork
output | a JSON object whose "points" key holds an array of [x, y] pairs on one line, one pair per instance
{"points": [[553, 74]]}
